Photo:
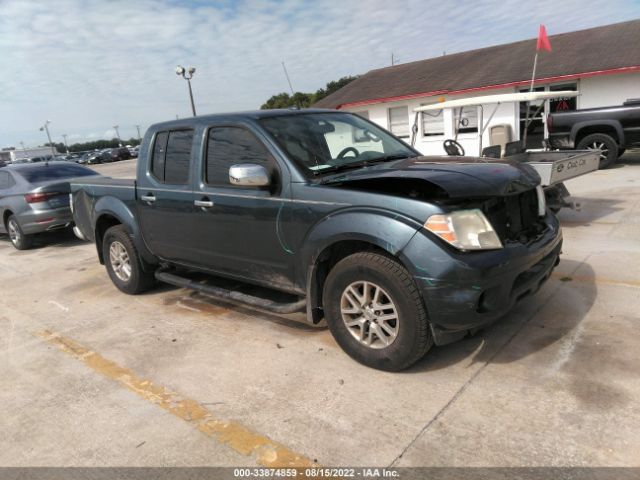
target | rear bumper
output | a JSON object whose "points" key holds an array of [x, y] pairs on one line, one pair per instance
{"points": [[466, 291], [37, 221], [561, 141]]}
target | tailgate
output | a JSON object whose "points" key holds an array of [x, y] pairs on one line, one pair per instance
{"points": [[556, 167]]}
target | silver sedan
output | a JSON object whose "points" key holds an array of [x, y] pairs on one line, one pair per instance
{"points": [[34, 198]]}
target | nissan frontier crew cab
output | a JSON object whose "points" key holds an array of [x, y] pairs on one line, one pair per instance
{"points": [[396, 251]]}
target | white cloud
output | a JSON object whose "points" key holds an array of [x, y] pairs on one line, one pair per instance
{"points": [[90, 64]]}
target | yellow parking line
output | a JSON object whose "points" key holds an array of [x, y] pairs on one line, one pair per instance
{"points": [[236, 436]]}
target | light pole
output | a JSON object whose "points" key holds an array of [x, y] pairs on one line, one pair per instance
{"points": [[188, 75], [65, 143], [22, 144], [45, 127], [139, 137], [115, 127]]}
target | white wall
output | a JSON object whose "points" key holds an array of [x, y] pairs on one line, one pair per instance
{"points": [[608, 90], [598, 91], [432, 145]]}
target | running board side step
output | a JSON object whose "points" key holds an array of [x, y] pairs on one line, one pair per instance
{"points": [[231, 295]]}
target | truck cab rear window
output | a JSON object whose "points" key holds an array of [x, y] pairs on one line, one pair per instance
{"points": [[171, 156]]}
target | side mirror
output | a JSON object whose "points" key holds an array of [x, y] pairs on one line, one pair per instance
{"points": [[249, 175]]}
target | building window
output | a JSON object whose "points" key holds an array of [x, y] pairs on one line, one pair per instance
{"points": [[432, 123], [563, 104], [399, 121], [228, 146], [531, 120], [468, 120]]}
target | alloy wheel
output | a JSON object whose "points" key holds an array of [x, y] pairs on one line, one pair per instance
{"points": [[14, 232], [604, 151], [369, 314], [120, 262]]}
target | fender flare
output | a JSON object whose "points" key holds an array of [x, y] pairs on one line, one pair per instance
{"points": [[615, 124], [116, 208], [384, 229]]}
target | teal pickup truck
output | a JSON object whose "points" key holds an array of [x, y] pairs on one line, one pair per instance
{"points": [[396, 251]]}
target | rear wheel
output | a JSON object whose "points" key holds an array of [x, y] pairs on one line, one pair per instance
{"points": [[375, 312], [605, 144], [123, 262], [19, 239]]}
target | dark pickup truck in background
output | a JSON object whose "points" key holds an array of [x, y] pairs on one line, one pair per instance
{"points": [[395, 250], [609, 129]]}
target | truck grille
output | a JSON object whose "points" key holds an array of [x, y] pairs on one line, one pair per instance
{"points": [[515, 217]]}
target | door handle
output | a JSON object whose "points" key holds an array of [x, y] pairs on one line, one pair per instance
{"points": [[148, 198], [203, 203]]}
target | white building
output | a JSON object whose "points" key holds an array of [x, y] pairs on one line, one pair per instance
{"points": [[602, 63]]}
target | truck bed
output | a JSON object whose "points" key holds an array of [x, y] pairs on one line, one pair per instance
{"points": [[85, 196]]}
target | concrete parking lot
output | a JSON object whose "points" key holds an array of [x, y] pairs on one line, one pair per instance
{"points": [[92, 377]]}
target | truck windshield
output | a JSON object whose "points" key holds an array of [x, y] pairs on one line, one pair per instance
{"points": [[326, 142]]}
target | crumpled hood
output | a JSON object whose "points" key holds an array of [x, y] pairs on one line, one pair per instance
{"points": [[460, 177]]}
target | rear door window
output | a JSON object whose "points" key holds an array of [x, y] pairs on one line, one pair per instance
{"points": [[172, 156]]}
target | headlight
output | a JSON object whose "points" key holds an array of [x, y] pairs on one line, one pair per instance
{"points": [[464, 229]]}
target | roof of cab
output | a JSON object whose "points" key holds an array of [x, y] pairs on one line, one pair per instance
{"points": [[248, 115]]}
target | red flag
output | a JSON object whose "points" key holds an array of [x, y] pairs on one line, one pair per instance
{"points": [[543, 40]]}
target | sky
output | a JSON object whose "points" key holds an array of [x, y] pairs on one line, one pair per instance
{"points": [[88, 65]]}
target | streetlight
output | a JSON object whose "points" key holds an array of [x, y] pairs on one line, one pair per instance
{"points": [[188, 75], [139, 137], [23, 149], [45, 128], [115, 127], [65, 143]]}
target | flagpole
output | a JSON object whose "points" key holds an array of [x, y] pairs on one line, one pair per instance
{"points": [[526, 121], [535, 64]]}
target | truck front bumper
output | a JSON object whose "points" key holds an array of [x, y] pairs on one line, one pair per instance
{"points": [[464, 291]]}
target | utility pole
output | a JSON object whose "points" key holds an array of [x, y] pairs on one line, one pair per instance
{"points": [[286, 74], [393, 60], [45, 128], [65, 143], [139, 137], [22, 144], [115, 127]]}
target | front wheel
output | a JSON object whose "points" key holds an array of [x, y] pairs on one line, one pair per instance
{"points": [[605, 144], [375, 312], [123, 262], [19, 239]]}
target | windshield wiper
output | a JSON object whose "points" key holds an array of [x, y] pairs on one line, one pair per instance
{"points": [[364, 163]]}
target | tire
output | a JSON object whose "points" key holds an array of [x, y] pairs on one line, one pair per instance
{"points": [[18, 238], [398, 295], [621, 152], [123, 262], [605, 143]]}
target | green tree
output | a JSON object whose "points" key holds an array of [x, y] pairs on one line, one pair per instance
{"points": [[305, 100]]}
